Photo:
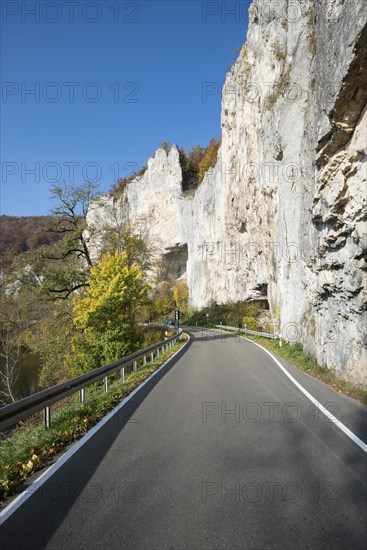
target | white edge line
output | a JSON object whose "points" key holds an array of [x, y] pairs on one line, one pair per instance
{"points": [[327, 413], [35, 485]]}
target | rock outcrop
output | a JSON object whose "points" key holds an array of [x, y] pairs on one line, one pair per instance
{"points": [[282, 215]]}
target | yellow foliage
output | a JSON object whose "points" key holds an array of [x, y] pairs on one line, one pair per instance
{"points": [[181, 296], [209, 159], [113, 286], [105, 315]]}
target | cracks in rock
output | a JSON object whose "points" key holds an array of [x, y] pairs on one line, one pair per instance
{"points": [[286, 230], [349, 104]]}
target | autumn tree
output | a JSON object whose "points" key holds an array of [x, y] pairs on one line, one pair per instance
{"points": [[209, 159], [189, 162], [19, 234], [119, 187], [180, 293], [105, 316], [251, 317], [162, 301], [196, 161]]}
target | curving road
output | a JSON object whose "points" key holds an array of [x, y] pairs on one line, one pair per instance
{"points": [[220, 450]]}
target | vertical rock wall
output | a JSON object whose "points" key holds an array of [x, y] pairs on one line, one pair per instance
{"points": [[283, 213]]}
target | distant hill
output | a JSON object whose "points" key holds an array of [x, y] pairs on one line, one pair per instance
{"points": [[20, 234]]}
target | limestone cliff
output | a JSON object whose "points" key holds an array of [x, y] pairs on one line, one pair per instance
{"points": [[282, 215]]}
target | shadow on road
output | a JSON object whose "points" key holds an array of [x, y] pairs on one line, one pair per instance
{"points": [[42, 513]]}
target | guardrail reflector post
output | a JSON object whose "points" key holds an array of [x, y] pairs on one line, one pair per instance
{"points": [[280, 340], [47, 416], [123, 375], [82, 395], [135, 366], [105, 384]]}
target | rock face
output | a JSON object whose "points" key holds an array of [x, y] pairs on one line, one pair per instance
{"points": [[282, 215]]}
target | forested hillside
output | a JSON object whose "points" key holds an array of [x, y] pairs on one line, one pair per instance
{"points": [[20, 234]]}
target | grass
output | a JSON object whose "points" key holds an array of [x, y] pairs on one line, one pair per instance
{"points": [[295, 355], [30, 448]]}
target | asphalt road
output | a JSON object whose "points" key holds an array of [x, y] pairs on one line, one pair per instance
{"points": [[219, 451]]}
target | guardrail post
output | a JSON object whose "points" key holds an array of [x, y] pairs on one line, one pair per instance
{"points": [[47, 416], [82, 395], [10, 415], [280, 340], [135, 366], [152, 356]]}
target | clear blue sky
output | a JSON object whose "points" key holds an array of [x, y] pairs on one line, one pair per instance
{"points": [[154, 55]]}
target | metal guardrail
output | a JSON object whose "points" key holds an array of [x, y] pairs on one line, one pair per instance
{"points": [[157, 325], [42, 400], [273, 336]]}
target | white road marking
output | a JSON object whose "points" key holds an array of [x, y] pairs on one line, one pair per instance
{"points": [[314, 401], [20, 499]]}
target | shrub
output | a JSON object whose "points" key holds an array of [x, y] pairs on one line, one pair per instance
{"points": [[196, 162], [121, 184]]}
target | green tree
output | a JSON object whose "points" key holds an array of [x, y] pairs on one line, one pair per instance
{"points": [[53, 343]]}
